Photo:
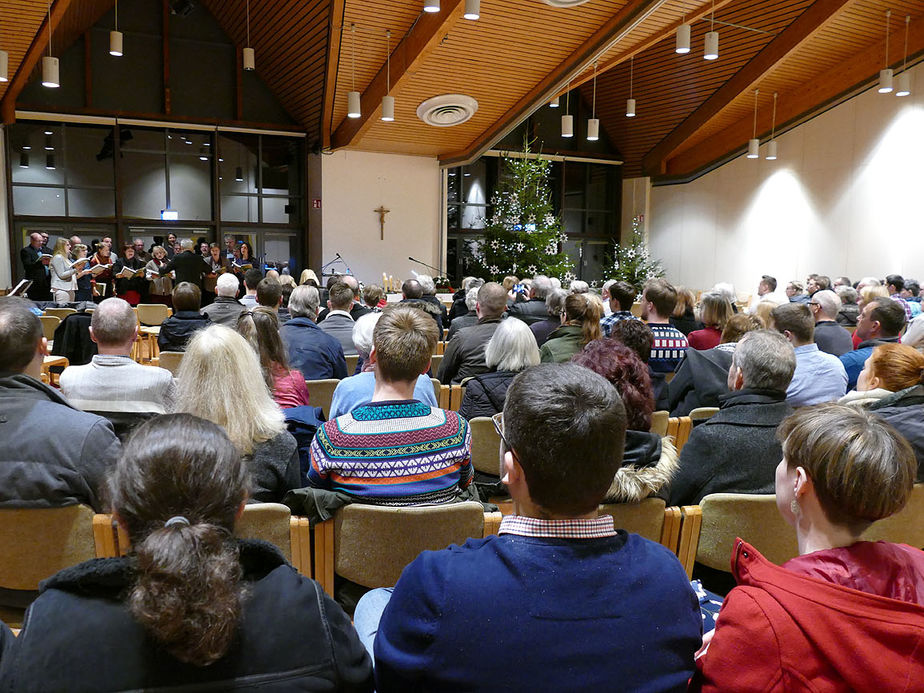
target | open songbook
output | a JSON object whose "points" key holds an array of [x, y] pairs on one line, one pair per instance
{"points": [[129, 273], [246, 266], [99, 269]]}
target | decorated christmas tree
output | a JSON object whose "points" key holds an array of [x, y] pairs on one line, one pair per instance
{"points": [[632, 262], [523, 237]]}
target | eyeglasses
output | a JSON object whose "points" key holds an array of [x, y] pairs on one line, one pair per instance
{"points": [[498, 421]]}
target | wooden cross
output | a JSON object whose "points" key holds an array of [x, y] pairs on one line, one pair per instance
{"points": [[382, 212]]}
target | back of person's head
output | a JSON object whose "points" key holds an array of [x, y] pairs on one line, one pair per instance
{"points": [[541, 286], [509, 282], [269, 291], [868, 294], [351, 282], [895, 280], [868, 281], [60, 246], [581, 309], [913, 287], [20, 334], [822, 282], [629, 375], [795, 286], [896, 366], [842, 281], [309, 277], [252, 277], [636, 335], [340, 296], [304, 301], [727, 289], [769, 282], [177, 490], [555, 302], [373, 295], [795, 318], [686, 302], [828, 303], [404, 339], [227, 285], [472, 283], [765, 309], [426, 284], [890, 315], [579, 287], [567, 428], [362, 334], [260, 327], [739, 325], [187, 244], [471, 299], [716, 310], [847, 294], [662, 294], [624, 293], [187, 296], [492, 297], [766, 359], [512, 347], [113, 322], [220, 379], [861, 468], [411, 289]]}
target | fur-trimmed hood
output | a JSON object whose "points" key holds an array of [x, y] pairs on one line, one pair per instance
{"points": [[649, 462]]}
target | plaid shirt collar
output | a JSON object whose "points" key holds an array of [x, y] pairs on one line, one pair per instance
{"points": [[597, 528]]}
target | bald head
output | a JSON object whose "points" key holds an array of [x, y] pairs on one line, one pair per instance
{"points": [[35, 239], [113, 324], [351, 282], [412, 289]]}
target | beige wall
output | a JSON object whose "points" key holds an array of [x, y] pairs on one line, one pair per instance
{"points": [[846, 196], [356, 183], [6, 275]]}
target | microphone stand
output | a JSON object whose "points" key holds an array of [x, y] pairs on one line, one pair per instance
{"points": [[439, 272], [337, 258]]}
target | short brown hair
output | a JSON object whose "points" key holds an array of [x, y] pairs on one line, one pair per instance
{"points": [[404, 339], [20, 334], [636, 335], [340, 296], [373, 295], [716, 310], [795, 318], [889, 314], [897, 366], [862, 469], [492, 297], [685, 301], [187, 296], [269, 291], [662, 294], [739, 325]]}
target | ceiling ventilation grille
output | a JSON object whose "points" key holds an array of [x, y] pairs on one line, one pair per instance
{"points": [[447, 110]]}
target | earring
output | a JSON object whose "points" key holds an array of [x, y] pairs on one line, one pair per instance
{"points": [[794, 506]]}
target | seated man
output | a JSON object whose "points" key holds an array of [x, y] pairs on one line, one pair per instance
{"points": [[112, 381], [622, 296], [186, 320], [880, 322], [339, 323], [465, 353], [269, 294], [356, 309], [580, 604], [412, 294], [467, 320], [395, 450], [736, 451], [533, 310], [658, 300], [52, 454], [225, 309], [830, 337], [316, 354], [252, 278]]}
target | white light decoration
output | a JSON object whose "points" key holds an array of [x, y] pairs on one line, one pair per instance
{"points": [[754, 143], [472, 9], [593, 125], [353, 98], [630, 102], [771, 148], [247, 55], [554, 103], [388, 101], [567, 120], [903, 88], [885, 75], [431, 6], [683, 39], [771, 151], [115, 36], [169, 214], [50, 68], [711, 45]]}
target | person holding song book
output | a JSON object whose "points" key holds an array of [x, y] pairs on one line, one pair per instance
{"points": [[128, 271], [84, 276], [64, 273], [101, 270], [160, 286]]}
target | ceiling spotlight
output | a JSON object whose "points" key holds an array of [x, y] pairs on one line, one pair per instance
{"points": [[567, 126], [50, 162], [885, 75], [50, 74], [353, 97], [472, 9], [49, 147], [388, 101], [754, 143], [593, 124], [4, 66], [23, 160], [683, 39], [247, 56], [712, 45], [203, 154], [115, 36], [431, 6], [771, 151], [904, 79], [630, 102], [553, 103], [771, 148], [239, 174]]}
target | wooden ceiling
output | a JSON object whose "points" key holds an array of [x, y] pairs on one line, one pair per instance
{"points": [[691, 113]]}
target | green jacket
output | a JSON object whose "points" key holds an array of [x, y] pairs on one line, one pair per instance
{"points": [[562, 344]]}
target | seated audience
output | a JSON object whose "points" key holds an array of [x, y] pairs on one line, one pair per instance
{"points": [[841, 281], [819, 377], [358, 389], [52, 454], [880, 322], [269, 294], [533, 310], [316, 354], [220, 380], [716, 310], [459, 308], [468, 319], [192, 606], [683, 316], [260, 327], [794, 290], [562, 436], [512, 348], [636, 335], [621, 297], [288, 287], [225, 309], [310, 278], [830, 337], [895, 284], [849, 311], [356, 309], [374, 298], [395, 450], [186, 320], [580, 324], [846, 614], [766, 291], [252, 278], [338, 323], [890, 368], [464, 355], [554, 305], [429, 295], [815, 283], [412, 295], [736, 450], [659, 297], [765, 308]]}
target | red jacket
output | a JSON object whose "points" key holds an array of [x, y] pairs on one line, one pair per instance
{"points": [[780, 630]]}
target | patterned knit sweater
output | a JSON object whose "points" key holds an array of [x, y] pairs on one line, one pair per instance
{"points": [[394, 453]]}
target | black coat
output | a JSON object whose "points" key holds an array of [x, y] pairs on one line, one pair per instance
{"points": [[485, 394], [464, 356], [531, 311], [36, 271], [905, 411], [178, 329], [189, 267], [80, 636], [700, 380]]}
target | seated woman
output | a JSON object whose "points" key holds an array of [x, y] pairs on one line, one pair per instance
{"points": [[648, 461], [845, 614], [511, 349], [178, 329], [889, 369], [220, 380], [260, 327], [580, 324], [716, 310], [190, 606], [684, 317]]}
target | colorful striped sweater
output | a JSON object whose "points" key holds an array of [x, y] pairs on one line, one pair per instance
{"points": [[394, 453]]}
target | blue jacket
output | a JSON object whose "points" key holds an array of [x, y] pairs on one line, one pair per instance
{"points": [[854, 360], [316, 354]]}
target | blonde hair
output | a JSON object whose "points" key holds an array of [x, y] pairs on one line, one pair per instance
{"points": [[220, 379], [509, 282], [870, 293], [764, 309], [716, 310], [897, 366], [61, 247], [685, 301], [582, 310]]}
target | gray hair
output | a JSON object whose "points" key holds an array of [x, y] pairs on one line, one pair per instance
{"points": [[727, 289], [304, 302], [766, 359], [541, 287], [426, 283], [472, 283], [868, 281], [512, 348], [579, 287], [555, 302], [847, 294], [471, 298], [829, 302], [556, 282], [362, 334], [227, 285], [113, 322], [187, 244]]}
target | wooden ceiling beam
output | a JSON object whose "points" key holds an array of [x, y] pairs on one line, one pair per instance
{"points": [[794, 107], [334, 41], [422, 39], [804, 27], [31, 59]]}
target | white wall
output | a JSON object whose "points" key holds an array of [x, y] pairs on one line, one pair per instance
{"points": [[356, 183], [6, 276], [845, 197]]}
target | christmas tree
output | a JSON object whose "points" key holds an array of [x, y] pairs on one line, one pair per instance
{"points": [[632, 262], [523, 237]]}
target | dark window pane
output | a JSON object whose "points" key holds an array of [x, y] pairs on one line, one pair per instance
{"points": [[47, 202], [145, 185]]}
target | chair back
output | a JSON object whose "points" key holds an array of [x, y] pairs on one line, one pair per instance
{"points": [[351, 361], [679, 428], [373, 544], [703, 413], [60, 313], [754, 518], [269, 522], [659, 422], [645, 518], [171, 360], [49, 325], [321, 393], [441, 392], [435, 361], [152, 314], [904, 527], [485, 446], [124, 422]]}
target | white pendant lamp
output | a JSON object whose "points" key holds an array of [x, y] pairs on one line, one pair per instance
{"points": [[593, 124], [711, 51], [903, 87], [431, 6], [754, 143], [683, 38], [50, 162], [567, 120], [115, 36], [630, 102], [4, 66], [388, 101], [554, 103], [23, 160], [353, 99], [50, 68], [771, 148], [472, 9], [885, 75], [247, 55]]}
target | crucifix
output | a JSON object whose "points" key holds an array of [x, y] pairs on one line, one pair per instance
{"points": [[382, 212]]}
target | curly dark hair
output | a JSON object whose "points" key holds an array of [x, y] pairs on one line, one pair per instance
{"points": [[624, 369]]}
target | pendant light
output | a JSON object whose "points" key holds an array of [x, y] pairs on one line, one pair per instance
{"points": [[247, 54], [593, 125], [388, 101], [754, 143], [904, 79], [554, 103], [630, 102], [50, 162], [353, 107], [771, 148], [115, 36], [472, 9], [431, 6], [50, 67], [239, 174], [885, 75], [712, 38], [683, 37], [23, 160], [49, 147], [567, 120]]}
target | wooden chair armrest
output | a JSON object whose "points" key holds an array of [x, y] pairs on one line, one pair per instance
{"points": [[492, 522], [324, 555], [689, 536], [104, 536], [670, 533]]}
